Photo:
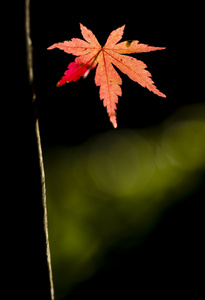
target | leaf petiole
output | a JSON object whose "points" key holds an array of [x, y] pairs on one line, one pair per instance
{"points": [[90, 66]]}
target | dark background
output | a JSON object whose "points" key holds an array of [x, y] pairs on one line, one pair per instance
{"points": [[71, 114]]}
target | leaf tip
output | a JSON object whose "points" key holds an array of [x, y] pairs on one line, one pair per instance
{"points": [[163, 95], [50, 47], [81, 26], [122, 27], [113, 121], [59, 83], [161, 48]]}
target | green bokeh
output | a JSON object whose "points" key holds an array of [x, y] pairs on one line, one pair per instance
{"points": [[116, 186]]}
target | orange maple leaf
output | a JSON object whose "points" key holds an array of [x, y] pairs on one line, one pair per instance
{"points": [[90, 53]]}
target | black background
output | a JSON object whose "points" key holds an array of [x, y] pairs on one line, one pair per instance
{"points": [[71, 114]]}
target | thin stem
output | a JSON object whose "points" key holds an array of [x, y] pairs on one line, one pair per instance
{"points": [[38, 139]]}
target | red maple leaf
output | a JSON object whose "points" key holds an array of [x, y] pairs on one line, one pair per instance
{"points": [[91, 54]]}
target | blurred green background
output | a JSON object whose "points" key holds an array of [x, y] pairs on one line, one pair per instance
{"points": [[109, 194]]}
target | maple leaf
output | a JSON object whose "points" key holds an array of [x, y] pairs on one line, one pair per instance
{"points": [[91, 54]]}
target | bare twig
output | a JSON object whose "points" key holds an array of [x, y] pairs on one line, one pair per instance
{"points": [[38, 139]]}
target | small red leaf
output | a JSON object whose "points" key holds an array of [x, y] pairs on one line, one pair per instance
{"points": [[74, 72]]}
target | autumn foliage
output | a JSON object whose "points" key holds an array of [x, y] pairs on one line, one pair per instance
{"points": [[91, 54]]}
